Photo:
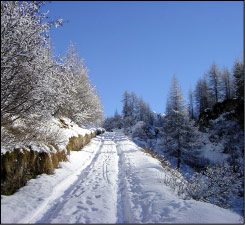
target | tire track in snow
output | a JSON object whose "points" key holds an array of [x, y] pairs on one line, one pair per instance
{"points": [[79, 198], [124, 214], [105, 176], [133, 204], [56, 201]]}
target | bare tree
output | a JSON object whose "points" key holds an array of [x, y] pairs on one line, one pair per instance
{"points": [[191, 104], [226, 84], [202, 95], [214, 82], [238, 74]]}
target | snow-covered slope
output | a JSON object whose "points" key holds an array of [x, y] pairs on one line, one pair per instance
{"points": [[110, 181], [63, 128]]}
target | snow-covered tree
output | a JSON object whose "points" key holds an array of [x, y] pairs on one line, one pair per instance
{"points": [[35, 85], [80, 102], [175, 116], [23, 40], [182, 138]]}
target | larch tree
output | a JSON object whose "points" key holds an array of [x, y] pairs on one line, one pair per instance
{"points": [[214, 83], [238, 74], [191, 104], [226, 82], [175, 116], [126, 102], [202, 95], [182, 137]]}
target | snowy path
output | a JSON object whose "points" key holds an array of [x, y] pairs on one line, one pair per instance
{"points": [[110, 181]]}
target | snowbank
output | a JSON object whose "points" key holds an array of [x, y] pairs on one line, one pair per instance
{"points": [[24, 162]]}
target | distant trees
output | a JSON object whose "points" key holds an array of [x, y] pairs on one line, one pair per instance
{"points": [[113, 122], [134, 110], [219, 85], [34, 84]]}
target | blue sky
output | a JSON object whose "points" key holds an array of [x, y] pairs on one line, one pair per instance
{"points": [[139, 45]]}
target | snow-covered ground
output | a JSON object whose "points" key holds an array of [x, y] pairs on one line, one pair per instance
{"points": [[64, 131], [110, 181]]}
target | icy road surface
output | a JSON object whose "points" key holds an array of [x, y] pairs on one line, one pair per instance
{"points": [[110, 181]]}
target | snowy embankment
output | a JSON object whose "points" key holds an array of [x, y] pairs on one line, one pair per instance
{"points": [[110, 181], [23, 160], [64, 129]]}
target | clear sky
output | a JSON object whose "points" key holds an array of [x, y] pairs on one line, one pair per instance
{"points": [[139, 45]]}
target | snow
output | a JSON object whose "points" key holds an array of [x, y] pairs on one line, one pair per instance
{"points": [[73, 129], [213, 152], [65, 129], [111, 180]]}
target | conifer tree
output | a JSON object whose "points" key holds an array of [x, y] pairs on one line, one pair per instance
{"points": [[191, 104], [238, 74], [214, 83], [226, 82], [182, 137]]}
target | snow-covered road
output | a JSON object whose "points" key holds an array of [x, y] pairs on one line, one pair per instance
{"points": [[110, 181]]}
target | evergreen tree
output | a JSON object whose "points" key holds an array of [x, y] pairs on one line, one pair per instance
{"points": [[175, 116], [182, 138], [238, 74]]}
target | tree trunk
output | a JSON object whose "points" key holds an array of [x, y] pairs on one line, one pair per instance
{"points": [[179, 153]]}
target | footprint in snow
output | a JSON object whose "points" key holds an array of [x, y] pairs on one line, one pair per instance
{"points": [[81, 207], [89, 202]]}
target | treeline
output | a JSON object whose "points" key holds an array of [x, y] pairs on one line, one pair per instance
{"points": [[36, 85], [179, 127], [135, 109], [216, 86]]}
